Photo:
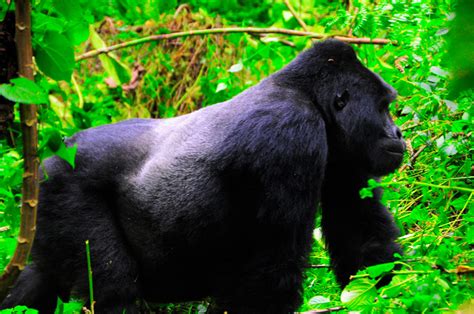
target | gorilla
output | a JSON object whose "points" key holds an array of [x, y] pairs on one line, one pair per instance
{"points": [[221, 202]]}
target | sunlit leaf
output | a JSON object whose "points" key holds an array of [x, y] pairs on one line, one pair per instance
{"points": [[319, 299], [221, 87], [439, 71], [24, 91], [359, 292], [236, 67], [377, 270]]}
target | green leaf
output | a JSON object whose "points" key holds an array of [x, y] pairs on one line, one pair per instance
{"points": [[377, 270], [236, 67], [24, 91], [55, 56], [359, 292], [450, 150], [77, 31], [54, 141], [439, 71], [42, 23], [71, 10], [470, 235], [67, 153], [221, 87], [319, 299], [115, 69], [368, 191]]}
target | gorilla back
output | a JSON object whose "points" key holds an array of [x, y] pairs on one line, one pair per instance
{"points": [[221, 202]]}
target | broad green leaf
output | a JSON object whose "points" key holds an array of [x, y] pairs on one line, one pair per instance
{"points": [[42, 23], [24, 91], [77, 31], [359, 292], [115, 69], [71, 10], [55, 56], [377, 270]]}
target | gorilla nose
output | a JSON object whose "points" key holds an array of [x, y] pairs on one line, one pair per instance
{"points": [[397, 132]]}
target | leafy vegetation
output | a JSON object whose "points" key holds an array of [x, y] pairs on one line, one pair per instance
{"points": [[432, 194]]}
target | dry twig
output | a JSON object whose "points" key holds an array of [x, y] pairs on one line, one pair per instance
{"points": [[230, 30], [295, 15]]}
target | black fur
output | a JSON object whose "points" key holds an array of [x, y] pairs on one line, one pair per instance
{"points": [[222, 202]]}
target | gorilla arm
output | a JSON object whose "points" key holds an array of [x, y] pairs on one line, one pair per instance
{"points": [[358, 232], [283, 151]]}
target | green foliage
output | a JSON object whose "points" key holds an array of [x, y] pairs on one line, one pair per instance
{"points": [[24, 91], [461, 46], [431, 198]]}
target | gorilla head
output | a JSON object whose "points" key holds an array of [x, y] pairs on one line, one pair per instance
{"points": [[354, 102]]}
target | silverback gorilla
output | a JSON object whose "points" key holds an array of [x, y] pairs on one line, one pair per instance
{"points": [[221, 202]]}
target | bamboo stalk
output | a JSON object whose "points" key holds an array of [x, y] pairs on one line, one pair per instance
{"points": [[30, 185]]}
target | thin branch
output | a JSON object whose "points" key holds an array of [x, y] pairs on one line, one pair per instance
{"points": [[328, 310], [230, 30], [397, 272], [319, 266], [436, 186], [295, 15], [415, 156], [29, 122]]}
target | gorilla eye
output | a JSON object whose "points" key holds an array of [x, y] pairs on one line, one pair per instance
{"points": [[341, 100]]}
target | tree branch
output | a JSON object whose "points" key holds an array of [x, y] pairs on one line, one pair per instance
{"points": [[230, 30], [30, 143], [295, 15]]}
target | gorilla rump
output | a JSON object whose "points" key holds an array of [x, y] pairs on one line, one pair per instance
{"points": [[221, 202]]}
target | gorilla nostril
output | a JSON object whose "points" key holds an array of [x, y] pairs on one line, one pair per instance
{"points": [[397, 132]]}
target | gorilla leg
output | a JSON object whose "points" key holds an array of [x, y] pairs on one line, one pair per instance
{"points": [[114, 271], [271, 282], [273, 289], [358, 232], [34, 289], [70, 215]]}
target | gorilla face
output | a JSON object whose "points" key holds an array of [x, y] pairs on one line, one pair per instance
{"points": [[356, 103]]}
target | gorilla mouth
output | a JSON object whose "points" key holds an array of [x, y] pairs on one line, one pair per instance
{"points": [[397, 153], [395, 147]]}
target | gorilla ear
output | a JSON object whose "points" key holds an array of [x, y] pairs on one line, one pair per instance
{"points": [[341, 100]]}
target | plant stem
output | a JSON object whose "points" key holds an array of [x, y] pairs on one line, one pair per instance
{"points": [[295, 15], [444, 187], [30, 186], [89, 275], [230, 30], [397, 272]]}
